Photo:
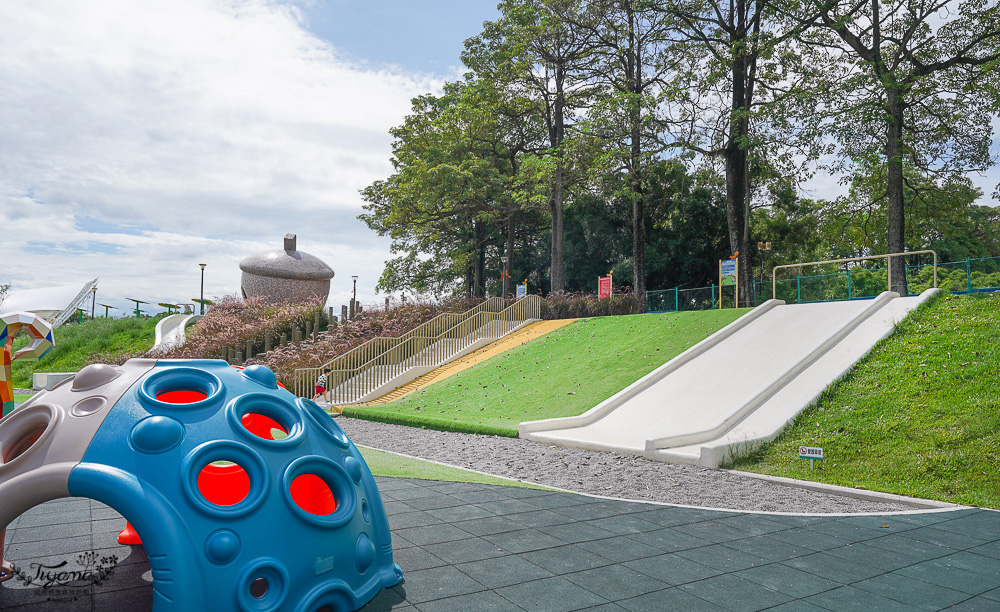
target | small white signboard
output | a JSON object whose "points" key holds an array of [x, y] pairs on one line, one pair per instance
{"points": [[811, 452]]}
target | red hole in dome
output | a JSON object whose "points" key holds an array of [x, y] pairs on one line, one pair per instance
{"points": [[312, 494], [261, 426], [224, 485], [181, 396]]}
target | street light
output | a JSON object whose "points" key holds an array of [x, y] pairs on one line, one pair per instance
{"points": [[202, 287], [93, 301], [763, 247], [354, 298]]}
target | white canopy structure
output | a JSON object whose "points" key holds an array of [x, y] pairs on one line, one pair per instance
{"points": [[54, 304]]}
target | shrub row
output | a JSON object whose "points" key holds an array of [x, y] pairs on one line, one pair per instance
{"points": [[571, 305]]}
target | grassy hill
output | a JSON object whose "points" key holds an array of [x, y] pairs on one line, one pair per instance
{"points": [[77, 342], [563, 373], [919, 416]]}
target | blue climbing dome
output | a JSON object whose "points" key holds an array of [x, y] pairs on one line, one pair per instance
{"points": [[245, 497]]}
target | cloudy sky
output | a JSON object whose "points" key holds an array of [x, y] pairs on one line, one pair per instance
{"points": [[139, 139]]}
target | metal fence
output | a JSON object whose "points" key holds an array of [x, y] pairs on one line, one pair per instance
{"points": [[371, 365], [968, 276]]}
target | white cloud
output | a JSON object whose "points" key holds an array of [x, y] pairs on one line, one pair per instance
{"points": [[210, 128]]}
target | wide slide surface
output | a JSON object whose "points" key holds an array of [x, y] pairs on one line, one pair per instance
{"points": [[737, 387]]}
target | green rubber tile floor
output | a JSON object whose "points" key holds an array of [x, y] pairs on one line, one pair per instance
{"points": [[469, 547]]}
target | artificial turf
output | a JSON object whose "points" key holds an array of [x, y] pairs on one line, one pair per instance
{"points": [[383, 463], [919, 416], [563, 373]]}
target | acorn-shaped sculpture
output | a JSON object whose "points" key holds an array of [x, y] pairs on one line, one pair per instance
{"points": [[286, 275]]}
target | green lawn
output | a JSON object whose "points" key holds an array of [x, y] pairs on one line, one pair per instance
{"points": [[76, 342], [563, 373], [382, 463], [920, 416]]}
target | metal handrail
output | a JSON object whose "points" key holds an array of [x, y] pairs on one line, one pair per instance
{"points": [[423, 346], [888, 257]]}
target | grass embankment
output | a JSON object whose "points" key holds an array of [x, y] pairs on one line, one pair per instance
{"points": [[76, 343], [919, 416], [392, 465], [564, 373]]}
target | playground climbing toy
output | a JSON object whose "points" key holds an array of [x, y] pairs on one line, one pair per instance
{"points": [[11, 324], [245, 497]]}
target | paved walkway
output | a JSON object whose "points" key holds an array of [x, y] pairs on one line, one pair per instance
{"points": [[466, 547]]}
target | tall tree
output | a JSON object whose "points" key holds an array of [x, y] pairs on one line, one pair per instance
{"points": [[628, 39], [456, 188], [920, 90], [534, 47], [736, 82]]}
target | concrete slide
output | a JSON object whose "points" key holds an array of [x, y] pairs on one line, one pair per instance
{"points": [[170, 331], [737, 388]]}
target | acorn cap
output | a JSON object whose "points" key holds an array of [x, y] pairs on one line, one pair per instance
{"points": [[287, 263]]}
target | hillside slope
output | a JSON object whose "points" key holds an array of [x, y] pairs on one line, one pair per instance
{"points": [[563, 373], [919, 416]]}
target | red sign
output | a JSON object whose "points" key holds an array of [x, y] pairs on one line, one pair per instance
{"points": [[604, 287]]}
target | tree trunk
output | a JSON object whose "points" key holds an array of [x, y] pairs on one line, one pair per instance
{"points": [[508, 258], [737, 182], [638, 228], [633, 71], [478, 286], [557, 265], [896, 240]]}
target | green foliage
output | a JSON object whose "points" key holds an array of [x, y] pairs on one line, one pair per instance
{"points": [[551, 160], [686, 233], [916, 417], [456, 188], [79, 344], [563, 373]]}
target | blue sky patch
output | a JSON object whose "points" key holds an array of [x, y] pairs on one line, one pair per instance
{"points": [[100, 226], [73, 248]]}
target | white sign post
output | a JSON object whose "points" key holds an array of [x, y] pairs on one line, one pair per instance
{"points": [[812, 453]]}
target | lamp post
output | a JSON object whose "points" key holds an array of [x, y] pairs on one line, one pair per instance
{"points": [[202, 287], [354, 298], [763, 247], [93, 301]]}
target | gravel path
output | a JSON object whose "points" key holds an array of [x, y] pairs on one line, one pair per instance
{"points": [[608, 474]]}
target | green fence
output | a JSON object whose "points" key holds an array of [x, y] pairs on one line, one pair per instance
{"points": [[969, 276], [698, 298]]}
